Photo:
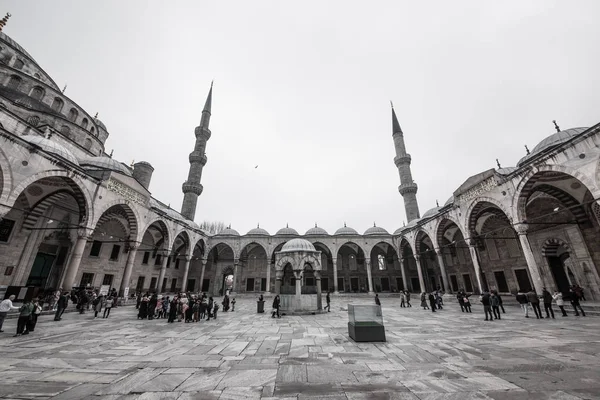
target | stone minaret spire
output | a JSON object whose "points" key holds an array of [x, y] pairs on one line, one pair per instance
{"points": [[192, 187], [407, 188]]}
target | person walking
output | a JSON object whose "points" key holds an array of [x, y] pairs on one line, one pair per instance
{"points": [[547, 297], [209, 308], [575, 303], [37, 310], [97, 303], [276, 305], [24, 317], [495, 303], [487, 308], [523, 302], [6, 306], [467, 302], [328, 300], [558, 297], [534, 300], [407, 298], [173, 310], [152, 306], [402, 298], [499, 301], [460, 297], [233, 304], [377, 300], [107, 307], [432, 302], [424, 301]]}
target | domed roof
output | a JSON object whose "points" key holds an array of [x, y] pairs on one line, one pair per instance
{"points": [[399, 231], [316, 231], [449, 201], [553, 140], [345, 230], [376, 230], [100, 124], [287, 231], [298, 245], [258, 231], [105, 163], [431, 212], [51, 147], [412, 223], [228, 232], [506, 170]]}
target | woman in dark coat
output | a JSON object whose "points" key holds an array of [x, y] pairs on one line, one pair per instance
{"points": [[143, 314], [152, 306], [432, 302], [173, 309]]}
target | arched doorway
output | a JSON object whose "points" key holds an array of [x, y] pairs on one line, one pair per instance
{"points": [[409, 264], [288, 281], [557, 255], [154, 250], [455, 253], [220, 268], [352, 276], [429, 264], [253, 271], [385, 268], [327, 283]]}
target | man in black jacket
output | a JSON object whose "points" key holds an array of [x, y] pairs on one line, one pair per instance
{"points": [[63, 302], [487, 306], [276, 307], [547, 297]]}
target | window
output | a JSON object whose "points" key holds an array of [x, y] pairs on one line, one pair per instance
{"points": [[153, 282], [146, 257], [468, 284], [263, 284], [381, 262], [399, 284], [523, 280], [385, 284], [73, 115], [173, 284], [14, 82], [88, 143], [140, 284], [87, 280], [92, 130], [310, 281], [114, 254], [37, 93], [501, 281], [96, 246], [6, 227], [84, 123], [454, 282], [9, 270], [18, 64], [177, 263], [107, 280], [57, 104], [164, 285], [250, 285], [158, 260], [341, 284], [169, 262]]}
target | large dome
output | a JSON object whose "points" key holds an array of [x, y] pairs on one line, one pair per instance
{"points": [[298, 245], [258, 231], [376, 230], [346, 230], [51, 147], [316, 231], [228, 232], [287, 231], [552, 140], [105, 163]]}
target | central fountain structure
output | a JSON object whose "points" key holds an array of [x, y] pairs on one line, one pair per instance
{"points": [[298, 277]]}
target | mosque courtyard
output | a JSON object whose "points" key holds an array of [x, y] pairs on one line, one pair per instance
{"points": [[244, 355]]}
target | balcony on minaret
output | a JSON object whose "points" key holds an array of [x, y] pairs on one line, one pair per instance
{"points": [[202, 133], [197, 157], [402, 160], [409, 187], [189, 187]]}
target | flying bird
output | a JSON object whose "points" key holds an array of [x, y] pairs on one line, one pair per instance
{"points": [[256, 167]]}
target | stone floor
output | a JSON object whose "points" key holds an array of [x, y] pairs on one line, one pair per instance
{"points": [[242, 355]]}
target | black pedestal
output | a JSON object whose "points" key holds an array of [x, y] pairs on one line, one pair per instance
{"points": [[366, 332], [260, 307]]}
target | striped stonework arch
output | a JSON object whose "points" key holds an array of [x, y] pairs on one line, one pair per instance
{"points": [[162, 228], [6, 181], [120, 211], [550, 247], [565, 198], [40, 208], [479, 208], [444, 225]]}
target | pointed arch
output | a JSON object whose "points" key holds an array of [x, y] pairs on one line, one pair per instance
{"points": [[124, 209]]}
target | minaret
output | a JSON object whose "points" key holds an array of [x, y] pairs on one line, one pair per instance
{"points": [[407, 188], [192, 187]]}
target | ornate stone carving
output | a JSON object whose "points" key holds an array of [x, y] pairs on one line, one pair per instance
{"points": [[522, 228], [125, 191], [479, 189]]}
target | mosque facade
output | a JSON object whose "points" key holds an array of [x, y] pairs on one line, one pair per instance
{"points": [[73, 216]]}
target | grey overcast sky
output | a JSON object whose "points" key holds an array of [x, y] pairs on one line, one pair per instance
{"points": [[302, 90]]}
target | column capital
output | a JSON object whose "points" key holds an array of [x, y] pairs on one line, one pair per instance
{"points": [[236, 261], [84, 233], [368, 260], [522, 228], [417, 257], [317, 274]]}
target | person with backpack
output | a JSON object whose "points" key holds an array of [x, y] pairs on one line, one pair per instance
{"points": [[276, 304], [97, 303], [24, 316]]}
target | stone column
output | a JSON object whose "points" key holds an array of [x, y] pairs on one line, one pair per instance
{"points": [[268, 278], [534, 270], [236, 280], [163, 272], [298, 275], [440, 257], [335, 276], [128, 268], [278, 277], [318, 280], [476, 265], [420, 272], [186, 271], [82, 238], [369, 276], [204, 261], [403, 271]]}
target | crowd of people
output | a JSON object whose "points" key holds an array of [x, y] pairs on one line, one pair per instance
{"points": [[182, 307]]}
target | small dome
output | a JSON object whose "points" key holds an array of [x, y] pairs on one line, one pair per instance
{"points": [[345, 230], [431, 212], [552, 140], [228, 232], [376, 230], [298, 245], [287, 231], [105, 163], [316, 231], [412, 223], [51, 147], [449, 201], [100, 124], [258, 231], [506, 171], [399, 231]]}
